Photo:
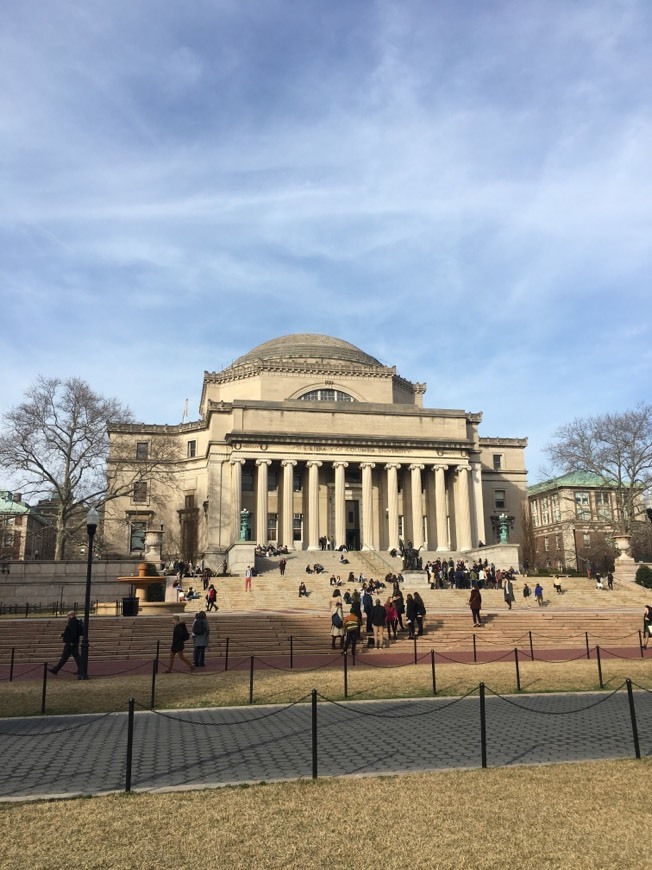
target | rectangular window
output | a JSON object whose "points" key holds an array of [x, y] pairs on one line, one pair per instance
{"points": [[192, 449], [142, 449], [272, 527], [586, 537], [272, 480], [297, 527], [534, 511], [247, 479], [556, 510], [545, 511], [137, 537], [8, 540], [189, 501], [352, 476], [557, 542], [401, 526], [297, 483], [498, 461], [603, 505], [140, 492], [582, 506], [499, 499], [546, 544]]}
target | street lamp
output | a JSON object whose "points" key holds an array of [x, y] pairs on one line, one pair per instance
{"points": [[92, 520]]}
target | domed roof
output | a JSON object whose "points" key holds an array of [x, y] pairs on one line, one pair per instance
{"points": [[307, 346]]}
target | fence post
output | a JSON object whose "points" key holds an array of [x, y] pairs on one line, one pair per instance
{"points": [[130, 743], [26, 610], [346, 674], [291, 652], [158, 654], [45, 687], [640, 642], [483, 727], [152, 700], [518, 673], [632, 713], [251, 679], [475, 654], [531, 646], [597, 651], [415, 649], [11, 664], [226, 656], [434, 676], [586, 639], [314, 733]]}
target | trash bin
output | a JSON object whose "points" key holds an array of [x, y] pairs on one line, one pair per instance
{"points": [[130, 606]]}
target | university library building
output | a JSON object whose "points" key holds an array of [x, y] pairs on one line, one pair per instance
{"points": [[308, 437]]}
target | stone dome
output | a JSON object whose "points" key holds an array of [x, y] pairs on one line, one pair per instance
{"points": [[308, 347]]}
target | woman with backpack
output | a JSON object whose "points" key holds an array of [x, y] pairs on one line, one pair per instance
{"points": [[337, 619], [179, 637], [420, 612], [200, 633]]}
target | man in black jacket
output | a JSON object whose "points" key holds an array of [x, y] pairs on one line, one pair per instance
{"points": [[70, 636]]}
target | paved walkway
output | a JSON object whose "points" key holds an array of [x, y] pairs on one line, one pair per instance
{"points": [[83, 755]]}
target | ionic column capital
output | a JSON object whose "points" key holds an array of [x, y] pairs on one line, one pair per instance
{"points": [[463, 467], [314, 463], [391, 465], [286, 462], [263, 462], [439, 467], [367, 465], [416, 467], [237, 461], [340, 464]]}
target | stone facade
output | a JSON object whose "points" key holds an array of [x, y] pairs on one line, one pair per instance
{"points": [[314, 438]]}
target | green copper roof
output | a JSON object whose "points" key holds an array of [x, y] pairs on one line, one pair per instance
{"points": [[574, 478]]}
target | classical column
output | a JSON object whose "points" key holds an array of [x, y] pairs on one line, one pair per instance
{"points": [[480, 532], [367, 511], [288, 503], [463, 509], [340, 504], [313, 504], [417, 510], [392, 505], [443, 544], [262, 501], [236, 497]]}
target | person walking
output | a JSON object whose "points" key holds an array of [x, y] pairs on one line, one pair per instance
{"points": [[248, 579], [538, 594], [420, 612], [411, 616], [179, 637], [378, 619], [508, 591], [475, 603], [391, 618], [337, 620], [200, 634], [71, 636], [211, 599], [281, 566], [351, 631], [647, 624]]}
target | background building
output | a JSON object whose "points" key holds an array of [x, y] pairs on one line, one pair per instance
{"points": [[308, 437], [25, 534]]}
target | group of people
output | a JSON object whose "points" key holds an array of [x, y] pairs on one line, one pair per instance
{"points": [[380, 621], [444, 574], [200, 634]]}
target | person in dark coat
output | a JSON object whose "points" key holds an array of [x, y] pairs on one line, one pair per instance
{"points": [[421, 612], [179, 637], [399, 604], [475, 603], [71, 636], [411, 616], [367, 606], [378, 619], [200, 635]]}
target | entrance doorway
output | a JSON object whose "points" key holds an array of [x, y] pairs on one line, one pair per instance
{"points": [[353, 524]]}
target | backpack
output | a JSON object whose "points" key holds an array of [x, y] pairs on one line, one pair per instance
{"points": [[199, 627], [336, 619]]}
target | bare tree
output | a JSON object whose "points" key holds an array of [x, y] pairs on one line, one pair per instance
{"points": [[616, 448], [55, 445]]}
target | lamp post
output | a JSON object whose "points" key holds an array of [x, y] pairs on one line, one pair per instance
{"points": [[92, 520]]}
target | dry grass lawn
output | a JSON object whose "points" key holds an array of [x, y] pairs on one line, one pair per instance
{"points": [[179, 690], [589, 815]]}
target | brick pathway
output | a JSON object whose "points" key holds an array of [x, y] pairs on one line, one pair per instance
{"points": [[71, 755]]}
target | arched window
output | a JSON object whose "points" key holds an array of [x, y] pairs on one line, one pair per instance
{"points": [[324, 395]]}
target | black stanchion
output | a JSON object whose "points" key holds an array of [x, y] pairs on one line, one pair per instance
{"points": [[152, 703], [251, 679], [45, 687], [346, 675], [291, 652], [483, 727], [531, 646], [26, 611], [130, 744], [434, 675], [632, 713], [597, 652], [226, 656], [158, 654], [586, 639], [475, 653], [640, 642], [11, 664], [314, 733], [518, 673], [415, 649]]}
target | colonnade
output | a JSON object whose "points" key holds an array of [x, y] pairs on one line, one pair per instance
{"points": [[436, 504]]}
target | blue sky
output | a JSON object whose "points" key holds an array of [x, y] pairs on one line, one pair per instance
{"points": [[462, 189]]}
